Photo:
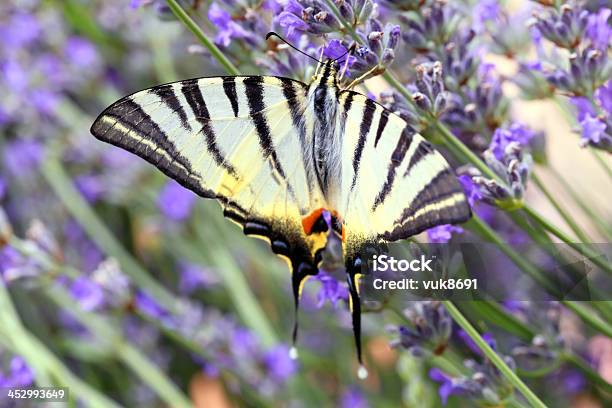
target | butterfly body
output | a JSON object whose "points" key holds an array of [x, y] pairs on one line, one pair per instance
{"points": [[292, 163]]}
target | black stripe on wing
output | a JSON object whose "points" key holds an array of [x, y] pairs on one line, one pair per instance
{"points": [[382, 123], [167, 95], [364, 129], [255, 97], [397, 157], [193, 95], [423, 149], [229, 87], [125, 124], [443, 186], [290, 92]]}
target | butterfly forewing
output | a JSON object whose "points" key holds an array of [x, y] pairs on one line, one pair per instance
{"points": [[236, 139]]}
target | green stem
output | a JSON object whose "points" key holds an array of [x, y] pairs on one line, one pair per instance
{"points": [[124, 351], [150, 374], [569, 220], [59, 181], [533, 271], [602, 162], [589, 316], [487, 232], [39, 357], [492, 355], [593, 375], [595, 219], [492, 312], [200, 35], [235, 282], [597, 259]]}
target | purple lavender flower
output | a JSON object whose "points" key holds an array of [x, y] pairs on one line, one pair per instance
{"points": [[532, 81], [23, 156], [81, 53], [19, 374], [309, 16], [484, 12], [508, 158], [487, 337], [87, 293], [573, 381], [13, 34], [194, 277], [227, 28], [448, 385], [431, 96], [86, 252], [244, 342], [15, 77], [603, 95], [331, 290], [353, 398], [430, 331], [443, 233], [589, 68], [564, 27], [475, 111], [280, 366], [291, 23], [175, 201], [134, 4], [45, 100], [13, 265], [598, 29], [90, 186], [502, 137], [114, 283], [592, 129], [471, 189], [583, 107], [3, 188], [595, 132], [335, 49], [149, 306]]}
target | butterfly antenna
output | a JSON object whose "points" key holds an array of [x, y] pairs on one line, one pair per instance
{"points": [[345, 65], [350, 50], [273, 34]]}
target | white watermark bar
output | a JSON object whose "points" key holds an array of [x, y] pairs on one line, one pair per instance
{"points": [[471, 271]]}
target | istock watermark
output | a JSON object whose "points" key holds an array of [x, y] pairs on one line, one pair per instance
{"points": [[382, 263]]}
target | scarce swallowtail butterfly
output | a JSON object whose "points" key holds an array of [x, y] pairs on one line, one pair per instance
{"points": [[279, 155]]}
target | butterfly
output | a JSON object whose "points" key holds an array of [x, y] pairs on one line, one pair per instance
{"points": [[292, 163]]}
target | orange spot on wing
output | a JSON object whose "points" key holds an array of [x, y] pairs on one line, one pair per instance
{"points": [[309, 220]]}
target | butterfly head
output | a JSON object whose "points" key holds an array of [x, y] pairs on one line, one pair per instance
{"points": [[323, 88], [326, 73]]}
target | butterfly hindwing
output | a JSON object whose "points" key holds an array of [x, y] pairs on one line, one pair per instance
{"points": [[394, 183]]}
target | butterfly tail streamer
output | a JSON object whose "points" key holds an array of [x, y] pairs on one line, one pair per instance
{"points": [[298, 279], [353, 269]]}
